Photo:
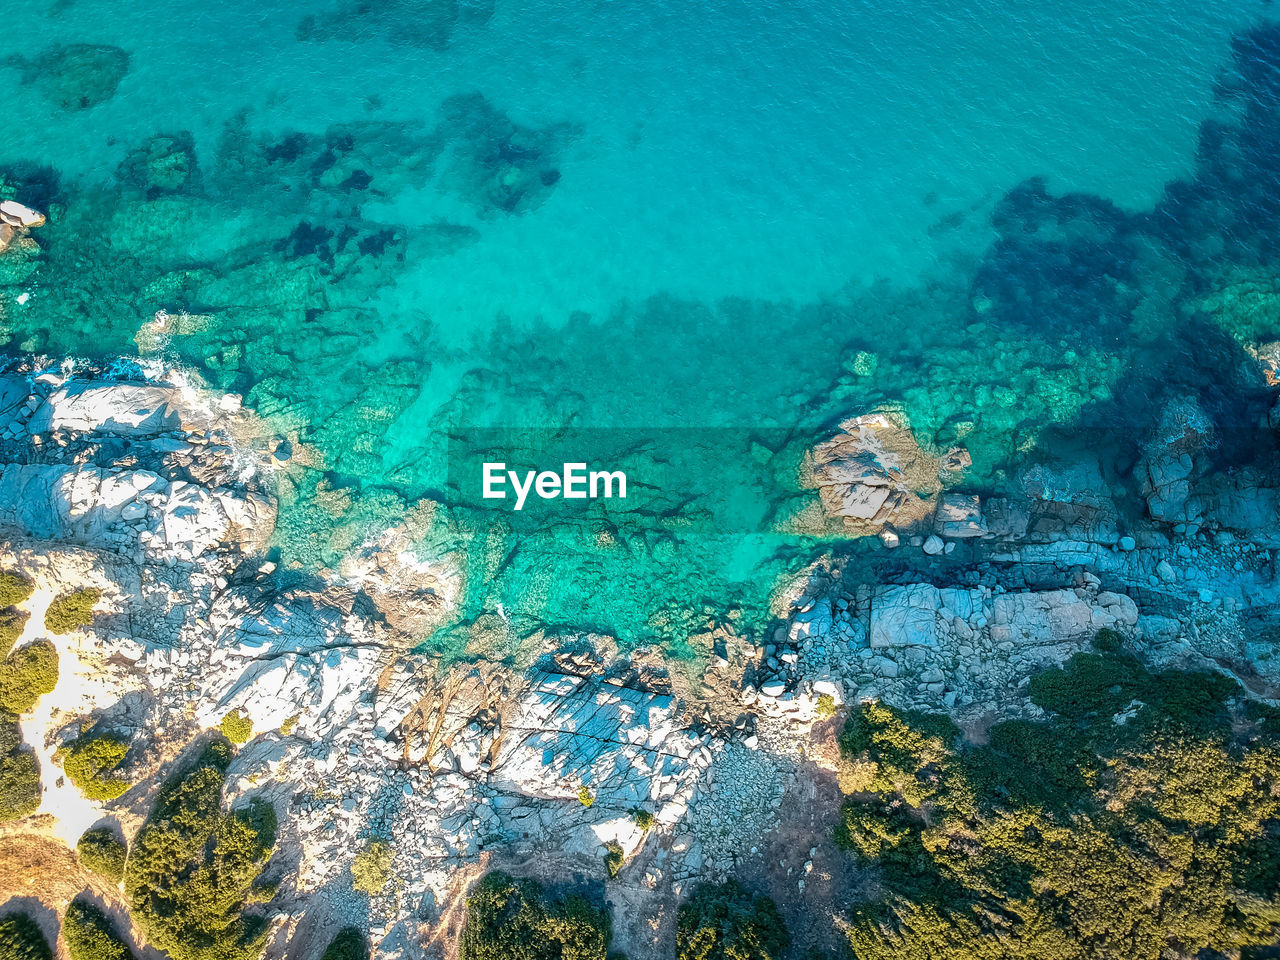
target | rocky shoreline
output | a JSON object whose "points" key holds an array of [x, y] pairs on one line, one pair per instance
{"points": [[134, 481]]}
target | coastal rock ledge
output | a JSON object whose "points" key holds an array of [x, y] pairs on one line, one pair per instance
{"points": [[134, 482]]}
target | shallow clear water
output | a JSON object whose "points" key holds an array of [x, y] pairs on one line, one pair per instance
{"points": [[403, 224]]}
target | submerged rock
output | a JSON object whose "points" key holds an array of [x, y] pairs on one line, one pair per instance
{"points": [[162, 164], [75, 76]]}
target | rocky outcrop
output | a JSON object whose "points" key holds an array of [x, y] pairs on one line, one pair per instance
{"points": [[299, 657], [148, 469], [874, 474], [19, 252], [625, 746]]}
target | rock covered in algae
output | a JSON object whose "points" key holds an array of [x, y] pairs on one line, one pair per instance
{"points": [[75, 76], [161, 164]]}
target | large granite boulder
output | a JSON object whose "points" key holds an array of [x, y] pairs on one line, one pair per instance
{"points": [[1169, 468], [874, 473]]}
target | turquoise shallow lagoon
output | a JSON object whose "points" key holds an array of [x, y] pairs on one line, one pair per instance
{"points": [[387, 225]]}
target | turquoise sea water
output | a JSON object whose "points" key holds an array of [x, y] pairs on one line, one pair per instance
{"points": [[394, 222]]}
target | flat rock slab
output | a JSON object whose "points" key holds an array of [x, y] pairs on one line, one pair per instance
{"points": [[121, 409]]}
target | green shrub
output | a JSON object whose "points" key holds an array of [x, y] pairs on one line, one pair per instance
{"points": [[371, 868], [1195, 699], [1090, 684], [1108, 640], [14, 588], [871, 830], [907, 749], [19, 772], [1044, 763], [71, 611], [510, 919], [613, 858], [826, 707], [27, 674], [103, 852], [349, 944], [88, 762], [287, 727], [585, 797], [192, 868], [237, 727], [1103, 684], [725, 922], [21, 939], [90, 934], [1074, 836], [12, 622], [643, 818]]}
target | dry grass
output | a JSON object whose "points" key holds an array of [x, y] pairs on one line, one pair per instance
{"points": [[35, 865]]}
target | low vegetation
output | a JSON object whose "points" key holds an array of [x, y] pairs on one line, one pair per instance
{"points": [[1140, 819], [825, 708], [90, 934], [14, 588], [12, 623], [103, 851], [193, 869], [613, 858], [644, 819], [586, 797], [71, 611], [19, 772], [349, 944], [237, 727], [371, 868], [510, 919], [89, 762], [725, 922], [21, 939], [26, 675]]}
